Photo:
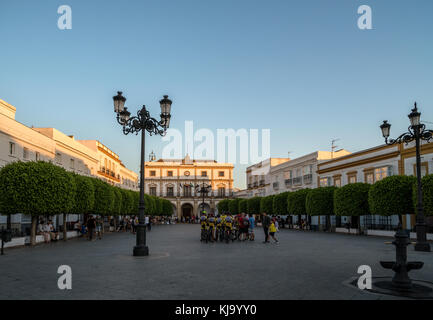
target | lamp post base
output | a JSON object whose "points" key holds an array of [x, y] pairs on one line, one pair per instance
{"points": [[141, 251], [422, 246]]}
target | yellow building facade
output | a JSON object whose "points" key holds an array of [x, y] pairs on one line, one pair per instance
{"points": [[172, 179]]}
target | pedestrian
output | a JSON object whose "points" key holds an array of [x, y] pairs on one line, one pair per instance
{"points": [[98, 223], [147, 222], [273, 230], [251, 227], [91, 225], [266, 222]]}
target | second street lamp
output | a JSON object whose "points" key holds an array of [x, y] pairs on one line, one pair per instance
{"points": [[417, 132], [142, 122]]}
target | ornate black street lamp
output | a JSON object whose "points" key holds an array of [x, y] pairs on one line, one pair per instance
{"points": [[417, 132], [142, 122]]}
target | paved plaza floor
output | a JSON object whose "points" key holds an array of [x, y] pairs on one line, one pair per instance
{"points": [[305, 265]]}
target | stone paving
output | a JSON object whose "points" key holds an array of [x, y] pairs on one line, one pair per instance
{"points": [[305, 265]]}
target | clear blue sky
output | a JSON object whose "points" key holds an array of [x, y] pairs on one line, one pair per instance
{"points": [[301, 68]]}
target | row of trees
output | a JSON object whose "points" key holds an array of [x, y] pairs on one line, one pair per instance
{"points": [[43, 189], [394, 195]]}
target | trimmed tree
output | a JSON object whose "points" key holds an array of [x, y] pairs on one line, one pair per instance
{"points": [[296, 203], [392, 196], [243, 205], [279, 205], [352, 200], [234, 206], [266, 204], [223, 206], [320, 202], [36, 188], [84, 198], [253, 205], [104, 197]]}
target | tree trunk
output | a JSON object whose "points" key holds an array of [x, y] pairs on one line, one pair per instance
{"points": [[65, 231], [33, 230]]}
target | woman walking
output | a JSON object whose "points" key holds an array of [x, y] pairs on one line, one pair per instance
{"points": [[273, 230]]}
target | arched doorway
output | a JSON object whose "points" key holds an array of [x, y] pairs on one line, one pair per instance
{"points": [[206, 208], [187, 211]]}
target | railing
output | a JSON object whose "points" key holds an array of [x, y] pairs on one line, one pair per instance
{"points": [[288, 182], [297, 181], [262, 182], [308, 178], [250, 185], [255, 184]]}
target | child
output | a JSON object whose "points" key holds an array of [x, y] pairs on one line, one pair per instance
{"points": [[272, 230]]}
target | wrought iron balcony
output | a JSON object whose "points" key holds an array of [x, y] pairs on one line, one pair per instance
{"points": [[308, 178], [297, 181]]}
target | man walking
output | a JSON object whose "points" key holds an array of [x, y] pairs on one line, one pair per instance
{"points": [[91, 224], [266, 222]]}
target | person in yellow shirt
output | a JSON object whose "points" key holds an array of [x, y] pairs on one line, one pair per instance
{"points": [[273, 230]]}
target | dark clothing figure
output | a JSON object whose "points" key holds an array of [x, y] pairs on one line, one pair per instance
{"points": [[266, 222], [91, 225]]}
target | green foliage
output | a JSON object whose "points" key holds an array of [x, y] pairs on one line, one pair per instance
{"points": [[167, 208], [427, 194], [266, 204], [223, 206], [36, 188], [85, 194], [118, 201], [128, 204], [104, 197], [253, 205], [234, 206], [392, 195], [352, 200], [279, 206], [243, 205], [150, 204], [320, 201], [296, 202]]}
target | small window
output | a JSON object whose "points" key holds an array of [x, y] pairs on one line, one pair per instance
{"points": [[204, 173], [58, 157], [221, 174], [169, 173], [25, 153], [153, 173], [352, 179], [11, 148], [72, 164], [37, 156]]}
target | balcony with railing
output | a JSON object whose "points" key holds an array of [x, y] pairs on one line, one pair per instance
{"points": [[262, 182], [288, 182], [297, 181], [308, 178]]}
